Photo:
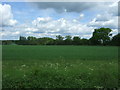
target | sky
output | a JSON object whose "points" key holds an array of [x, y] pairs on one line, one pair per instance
{"points": [[49, 19]]}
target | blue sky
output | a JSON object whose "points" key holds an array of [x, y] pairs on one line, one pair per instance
{"points": [[51, 19], [25, 10]]}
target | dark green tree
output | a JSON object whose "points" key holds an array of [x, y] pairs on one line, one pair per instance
{"points": [[59, 40], [59, 37], [84, 41], [116, 40], [76, 40], [45, 41], [22, 41], [68, 40], [22, 38], [31, 38], [101, 36]]}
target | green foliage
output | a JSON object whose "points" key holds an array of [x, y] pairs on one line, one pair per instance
{"points": [[59, 67], [8, 42], [76, 40], [85, 41], [59, 40], [45, 41], [68, 40], [101, 36], [116, 40], [60, 74], [68, 37], [59, 37], [22, 38], [31, 38]]}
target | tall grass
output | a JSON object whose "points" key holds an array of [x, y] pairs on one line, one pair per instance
{"points": [[59, 67]]}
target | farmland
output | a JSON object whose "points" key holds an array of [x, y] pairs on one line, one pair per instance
{"points": [[59, 66]]}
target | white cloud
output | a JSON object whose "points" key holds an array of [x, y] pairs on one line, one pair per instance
{"points": [[105, 20], [103, 17], [10, 35], [6, 16], [30, 29], [114, 31], [108, 17], [61, 26], [50, 27], [113, 9], [41, 20], [82, 15], [107, 7]]}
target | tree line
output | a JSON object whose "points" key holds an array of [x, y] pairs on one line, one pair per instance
{"points": [[101, 36]]}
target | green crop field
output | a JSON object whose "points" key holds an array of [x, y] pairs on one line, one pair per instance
{"points": [[59, 66]]}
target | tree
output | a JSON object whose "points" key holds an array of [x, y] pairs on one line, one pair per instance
{"points": [[59, 37], [31, 38], [22, 38], [68, 40], [59, 40], [22, 41], [76, 40], [8, 42], [47, 41], [84, 41], [101, 36], [116, 40]]}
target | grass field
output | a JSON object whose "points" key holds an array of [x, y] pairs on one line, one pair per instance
{"points": [[60, 66]]}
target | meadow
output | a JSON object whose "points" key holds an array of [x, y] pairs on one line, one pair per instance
{"points": [[59, 66]]}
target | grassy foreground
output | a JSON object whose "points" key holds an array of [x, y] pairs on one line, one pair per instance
{"points": [[60, 66]]}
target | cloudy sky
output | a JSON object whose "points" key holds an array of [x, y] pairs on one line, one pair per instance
{"points": [[48, 19]]}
